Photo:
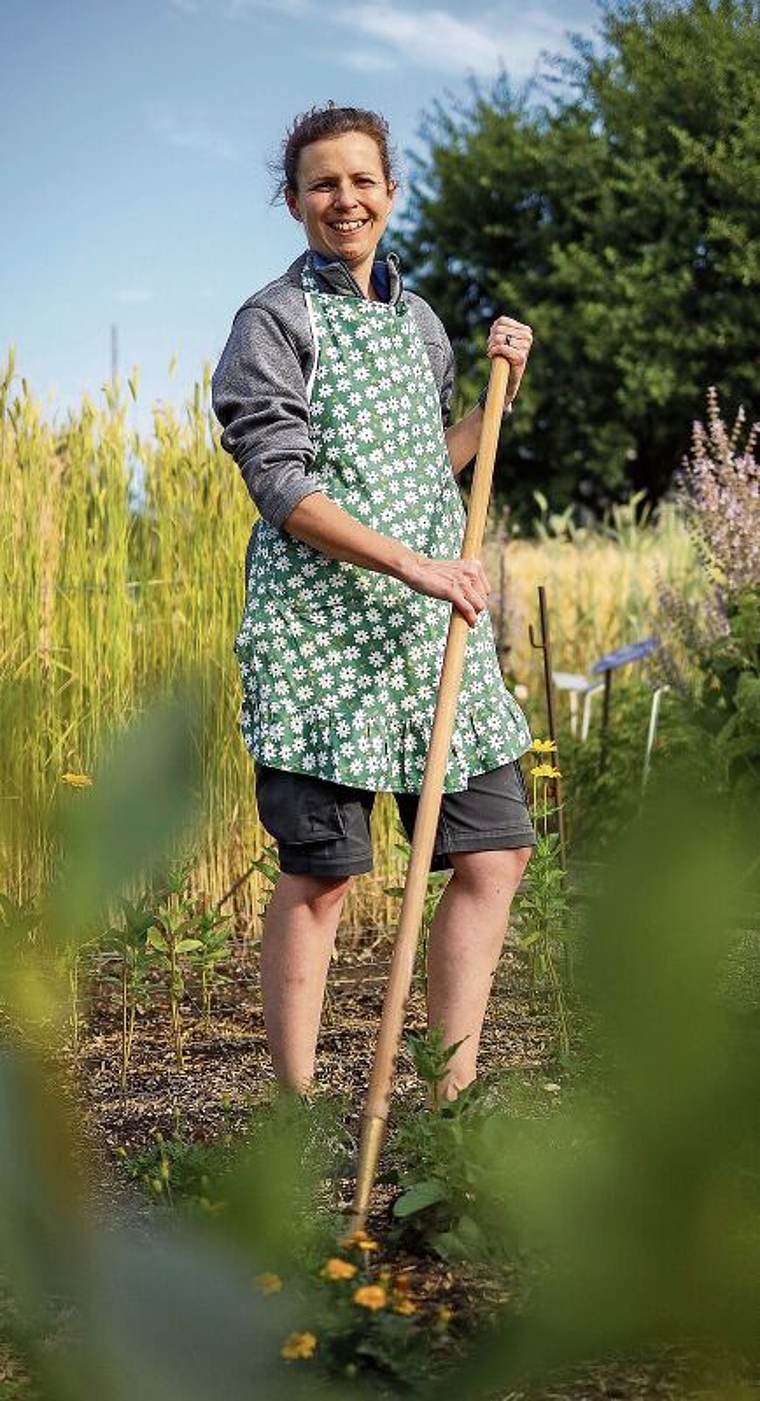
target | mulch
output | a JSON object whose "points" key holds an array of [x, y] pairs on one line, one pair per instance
{"points": [[227, 1069]]}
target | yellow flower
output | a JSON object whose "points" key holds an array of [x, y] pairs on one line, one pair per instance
{"points": [[444, 1316], [338, 1269], [404, 1306], [371, 1296], [298, 1346], [545, 771], [360, 1239], [267, 1283], [77, 780], [543, 746]]}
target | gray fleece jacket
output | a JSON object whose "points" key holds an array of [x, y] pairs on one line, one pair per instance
{"points": [[258, 388]]}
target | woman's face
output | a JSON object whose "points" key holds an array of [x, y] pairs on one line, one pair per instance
{"points": [[343, 198]]}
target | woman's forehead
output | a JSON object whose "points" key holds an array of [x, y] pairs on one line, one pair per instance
{"points": [[353, 151]]}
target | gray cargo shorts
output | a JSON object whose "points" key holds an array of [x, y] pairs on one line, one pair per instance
{"points": [[322, 828]]}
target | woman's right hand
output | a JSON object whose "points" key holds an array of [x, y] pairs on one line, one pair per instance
{"points": [[462, 581]]}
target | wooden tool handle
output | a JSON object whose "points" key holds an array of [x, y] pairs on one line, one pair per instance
{"points": [[423, 839]]}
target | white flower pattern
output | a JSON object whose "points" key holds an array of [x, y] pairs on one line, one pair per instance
{"points": [[353, 701]]}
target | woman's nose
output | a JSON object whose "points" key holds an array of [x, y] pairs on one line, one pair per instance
{"points": [[344, 197]]}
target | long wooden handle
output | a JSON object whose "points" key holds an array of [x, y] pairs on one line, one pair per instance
{"points": [[423, 838]]}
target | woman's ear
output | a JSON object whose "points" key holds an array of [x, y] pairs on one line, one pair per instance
{"points": [[291, 199]]}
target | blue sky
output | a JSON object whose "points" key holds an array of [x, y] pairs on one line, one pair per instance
{"points": [[135, 137]]}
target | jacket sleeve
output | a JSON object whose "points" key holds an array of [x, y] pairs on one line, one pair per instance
{"points": [[439, 351], [258, 393], [446, 387]]}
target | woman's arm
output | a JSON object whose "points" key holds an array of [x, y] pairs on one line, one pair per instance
{"points": [[259, 397], [463, 437], [323, 524]]}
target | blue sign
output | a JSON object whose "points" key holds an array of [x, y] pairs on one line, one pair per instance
{"points": [[623, 655]]}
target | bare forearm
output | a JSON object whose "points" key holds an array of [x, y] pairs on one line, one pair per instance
{"points": [[335, 533], [324, 524], [463, 439]]}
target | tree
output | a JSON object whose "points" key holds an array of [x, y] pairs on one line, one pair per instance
{"points": [[618, 216]]}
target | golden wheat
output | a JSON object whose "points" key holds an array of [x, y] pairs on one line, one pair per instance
{"points": [[121, 559]]}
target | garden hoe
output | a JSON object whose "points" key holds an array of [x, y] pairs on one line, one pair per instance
{"points": [[377, 1104]]}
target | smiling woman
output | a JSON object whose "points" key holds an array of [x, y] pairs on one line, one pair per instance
{"points": [[333, 392], [341, 190]]}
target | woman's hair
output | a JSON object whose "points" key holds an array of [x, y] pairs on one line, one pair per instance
{"points": [[323, 122]]}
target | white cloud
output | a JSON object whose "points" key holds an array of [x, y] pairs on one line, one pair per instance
{"points": [[367, 60], [428, 38], [186, 7], [189, 133], [133, 296], [504, 34], [234, 9]]}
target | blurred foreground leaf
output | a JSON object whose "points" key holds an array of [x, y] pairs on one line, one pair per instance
{"points": [[640, 1199], [146, 795]]}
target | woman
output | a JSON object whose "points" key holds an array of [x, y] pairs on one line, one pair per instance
{"points": [[333, 392]]}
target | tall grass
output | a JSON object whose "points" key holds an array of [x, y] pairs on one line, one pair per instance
{"points": [[121, 561]]}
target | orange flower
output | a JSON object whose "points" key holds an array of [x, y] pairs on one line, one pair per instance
{"points": [[267, 1283], [404, 1306], [371, 1296], [360, 1239], [298, 1346], [337, 1269]]}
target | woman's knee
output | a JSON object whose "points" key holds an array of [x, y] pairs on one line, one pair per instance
{"points": [[486, 869], [320, 893]]}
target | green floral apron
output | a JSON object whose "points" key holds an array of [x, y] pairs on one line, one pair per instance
{"points": [[340, 665]]}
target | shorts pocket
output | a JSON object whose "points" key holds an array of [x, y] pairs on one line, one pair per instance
{"points": [[297, 808]]}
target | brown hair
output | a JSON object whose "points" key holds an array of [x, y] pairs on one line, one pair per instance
{"points": [[320, 123]]}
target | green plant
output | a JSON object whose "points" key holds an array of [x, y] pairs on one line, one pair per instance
{"points": [[171, 936], [213, 932], [179, 1170], [541, 907], [126, 947], [542, 911], [445, 1161], [268, 866], [729, 703]]}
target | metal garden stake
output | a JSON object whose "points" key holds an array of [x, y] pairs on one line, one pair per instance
{"points": [[545, 646]]}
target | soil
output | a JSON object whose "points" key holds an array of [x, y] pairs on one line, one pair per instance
{"points": [[227, 1069]]}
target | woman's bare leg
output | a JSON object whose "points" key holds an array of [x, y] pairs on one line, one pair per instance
{"points": [[299, 935], [466, 938]]}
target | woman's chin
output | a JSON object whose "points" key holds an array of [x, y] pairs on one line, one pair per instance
{"points": [[350, 250]]}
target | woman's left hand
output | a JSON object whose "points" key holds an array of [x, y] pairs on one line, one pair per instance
{"points": [[513, 340]]}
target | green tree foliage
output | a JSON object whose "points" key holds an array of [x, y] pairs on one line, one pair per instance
{"points": [[619, 216]]}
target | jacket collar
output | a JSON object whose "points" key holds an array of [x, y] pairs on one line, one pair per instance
{"points": [[386, 275]]}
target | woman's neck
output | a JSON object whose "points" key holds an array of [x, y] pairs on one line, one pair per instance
{"points": [[362, 275]]}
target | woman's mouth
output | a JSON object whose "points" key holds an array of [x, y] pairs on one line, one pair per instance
{"points": [[348, 226]]}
